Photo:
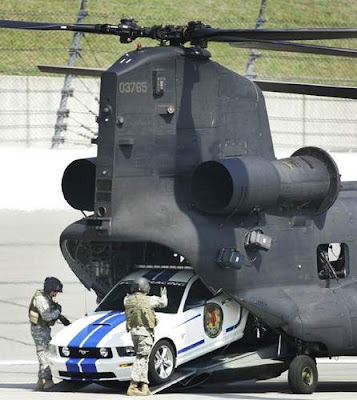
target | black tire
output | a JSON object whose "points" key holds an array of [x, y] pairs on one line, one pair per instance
{"points": [[303, 375], [162, 362]]}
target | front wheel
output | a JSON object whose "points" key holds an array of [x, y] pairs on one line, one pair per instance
{"points": [[303, 375], [162, 362]]}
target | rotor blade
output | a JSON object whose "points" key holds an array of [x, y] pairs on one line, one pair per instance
{"points": [[44, 26], [59, 69], [343, 92], [293, 47], [276, 34]]}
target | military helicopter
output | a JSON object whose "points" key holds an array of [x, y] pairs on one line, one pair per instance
{"points": [[186, 176]]}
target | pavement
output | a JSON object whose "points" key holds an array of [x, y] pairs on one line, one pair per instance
{"points": [[336, 382]]}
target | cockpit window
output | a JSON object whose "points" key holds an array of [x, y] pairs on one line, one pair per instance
{"points": [[113, 301]]}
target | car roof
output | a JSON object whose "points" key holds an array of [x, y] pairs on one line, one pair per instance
{"points": [[161, 276]]}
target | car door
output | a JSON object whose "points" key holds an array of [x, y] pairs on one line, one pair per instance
{"points": [[193, 313], [232, 318]]}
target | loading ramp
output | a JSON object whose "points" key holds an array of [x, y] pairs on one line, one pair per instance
{"points": [[235, 364]]}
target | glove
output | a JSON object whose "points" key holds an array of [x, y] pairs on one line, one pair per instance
{"points": [[64, 320], [163, 291], [58, 307]]}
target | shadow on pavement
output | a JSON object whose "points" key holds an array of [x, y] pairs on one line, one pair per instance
{"points": [[25, 386], [263, 387], [104, 387]]}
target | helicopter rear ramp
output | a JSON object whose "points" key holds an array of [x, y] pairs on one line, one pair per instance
{"points": [[237, 365]]}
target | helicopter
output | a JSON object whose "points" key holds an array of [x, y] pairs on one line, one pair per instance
{"points": [[186, 176]]}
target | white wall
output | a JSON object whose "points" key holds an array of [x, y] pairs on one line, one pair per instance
{"points": [[28, 107]]}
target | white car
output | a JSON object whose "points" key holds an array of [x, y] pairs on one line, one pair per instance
{"points": [[97, 347]]}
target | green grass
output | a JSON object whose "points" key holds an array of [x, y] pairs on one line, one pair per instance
{"points": [[21, 51]]}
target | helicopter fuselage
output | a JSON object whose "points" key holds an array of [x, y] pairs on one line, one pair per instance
{"points": [[165, 112]]}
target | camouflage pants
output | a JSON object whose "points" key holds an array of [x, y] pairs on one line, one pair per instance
{"points": [[42, 337], [142, 345]]}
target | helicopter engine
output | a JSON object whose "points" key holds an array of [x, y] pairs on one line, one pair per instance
{"points": [[78, 184], [309, 179]]}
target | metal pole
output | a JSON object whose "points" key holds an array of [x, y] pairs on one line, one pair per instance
{"points": [[74, 53], [304, 121], [28, 108], [254, 54]]}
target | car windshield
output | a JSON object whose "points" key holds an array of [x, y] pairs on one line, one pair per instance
{"points": [[113, 301]]}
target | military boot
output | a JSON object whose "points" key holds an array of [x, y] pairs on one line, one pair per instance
{"points": [[39, 385], [145, 391], [48, 384], [133, 389]]}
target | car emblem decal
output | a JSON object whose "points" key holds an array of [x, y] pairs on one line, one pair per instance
{"points": [[213, 320], [83, 352]]}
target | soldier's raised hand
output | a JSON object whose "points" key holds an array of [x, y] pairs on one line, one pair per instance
{"points": [[163, 291]]}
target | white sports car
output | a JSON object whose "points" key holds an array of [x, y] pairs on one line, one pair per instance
{"points": [[98, 348]]}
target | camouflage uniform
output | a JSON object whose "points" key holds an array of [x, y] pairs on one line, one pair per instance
{"points": [[43, 313], [141, 321]]}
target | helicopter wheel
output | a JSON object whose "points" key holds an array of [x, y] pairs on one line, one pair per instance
{"points": [[303, 375]]}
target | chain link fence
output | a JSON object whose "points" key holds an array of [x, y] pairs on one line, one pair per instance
{"points": [[30, 101]]}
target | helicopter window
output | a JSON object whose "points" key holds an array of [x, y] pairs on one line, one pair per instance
{"points": [[332, 261]]}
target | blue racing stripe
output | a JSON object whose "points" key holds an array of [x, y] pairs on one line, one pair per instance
{"points": [[88, 365], [165, 275], [90, 336], [191, 346], [151, 274], [72, 364], [81, 335], [102, 330]]}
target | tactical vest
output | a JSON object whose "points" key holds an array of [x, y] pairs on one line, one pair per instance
{"points": [[34, 315], [139, 312]]}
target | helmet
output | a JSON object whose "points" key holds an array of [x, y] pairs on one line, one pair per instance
{"points": [[140, 285], [52, 284]]}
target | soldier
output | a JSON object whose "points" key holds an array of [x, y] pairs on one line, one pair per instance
{"points": [[43, 313], [140, 322]]}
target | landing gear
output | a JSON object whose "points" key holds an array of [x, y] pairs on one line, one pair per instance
{"points": [[303, 375]]}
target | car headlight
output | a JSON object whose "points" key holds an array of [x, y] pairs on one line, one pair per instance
{"points": [[65, 351], [52, 349], [127, 351], [104, 352]]}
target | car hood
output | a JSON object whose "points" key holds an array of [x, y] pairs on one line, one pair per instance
{"points": [[100, 329], [106, 329]]}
